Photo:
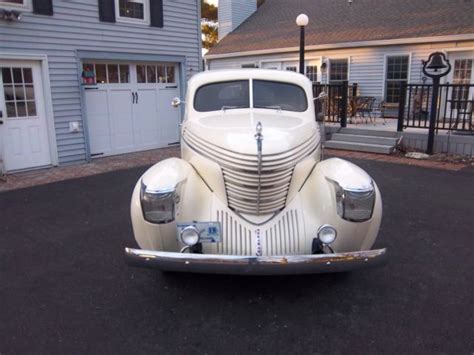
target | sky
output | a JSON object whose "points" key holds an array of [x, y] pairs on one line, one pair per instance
{"points": [[213, 2]]}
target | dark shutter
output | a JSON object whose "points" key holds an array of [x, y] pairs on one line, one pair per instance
{"points": [[43, 7], [156, 13], [107, 10]]}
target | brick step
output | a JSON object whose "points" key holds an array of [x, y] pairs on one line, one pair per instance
{"points": [[359, 147], [390, 141]]}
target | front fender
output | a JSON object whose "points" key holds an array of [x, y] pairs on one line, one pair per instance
{"points": [[319, 204], [166, 174]]}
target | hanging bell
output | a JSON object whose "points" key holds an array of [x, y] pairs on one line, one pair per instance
{"points": [[436, 62]]}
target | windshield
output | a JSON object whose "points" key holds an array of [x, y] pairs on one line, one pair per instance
{"points": [[278, 95], [222, 96], [271, 95]]}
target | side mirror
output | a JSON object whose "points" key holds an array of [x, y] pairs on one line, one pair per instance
{"points": [[176, 102]]}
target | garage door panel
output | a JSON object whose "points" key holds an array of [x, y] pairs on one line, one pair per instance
{"points": [[98, 121], [146, 119], [121, 116]]}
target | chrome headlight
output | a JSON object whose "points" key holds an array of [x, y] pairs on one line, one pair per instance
{"points": [[355, 205], [158, 206]]}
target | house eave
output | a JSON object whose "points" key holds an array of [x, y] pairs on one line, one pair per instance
{"points": [[386, 42]]}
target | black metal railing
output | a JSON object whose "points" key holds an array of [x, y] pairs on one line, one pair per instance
{"points": [[336, 104], [454, 107]]}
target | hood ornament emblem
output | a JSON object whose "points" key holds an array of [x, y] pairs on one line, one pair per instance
{"points": [[259, 137]]}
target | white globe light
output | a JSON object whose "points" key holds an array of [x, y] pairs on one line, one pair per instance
{"points": [[302, 20], [327, 234], [190, 236]]}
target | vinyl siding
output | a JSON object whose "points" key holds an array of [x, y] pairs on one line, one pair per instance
{"points": [[232, 13], [75, 26], [367, 65]]}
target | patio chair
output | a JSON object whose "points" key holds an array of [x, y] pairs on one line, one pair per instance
{"points": [[364, 108]]}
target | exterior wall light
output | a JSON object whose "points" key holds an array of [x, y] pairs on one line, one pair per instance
{"points": [[10, 15]]}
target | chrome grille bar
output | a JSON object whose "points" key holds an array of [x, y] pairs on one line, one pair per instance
{"points": [[255, 183]]}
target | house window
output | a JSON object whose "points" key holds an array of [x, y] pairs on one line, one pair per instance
{"points": [[312, 73], [338, 69], [397, 73], [132, 11], [291, 68], [107, 73], [461, 76], [16, 4], [249, 65]]}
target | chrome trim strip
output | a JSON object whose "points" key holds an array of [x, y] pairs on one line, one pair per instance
{"points": [[259, 138], [253, 265]]}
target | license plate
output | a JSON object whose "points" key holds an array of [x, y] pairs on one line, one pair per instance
{"points": [[209, 232]]}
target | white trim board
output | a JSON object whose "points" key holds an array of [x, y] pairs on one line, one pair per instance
{"points": [[387, 42]]}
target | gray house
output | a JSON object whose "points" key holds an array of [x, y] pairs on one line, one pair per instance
{"points": [[85, 78], [375, 43]]}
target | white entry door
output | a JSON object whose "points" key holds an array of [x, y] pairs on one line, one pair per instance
{"points": [[24, 140], [129, 107], [461, 98]]}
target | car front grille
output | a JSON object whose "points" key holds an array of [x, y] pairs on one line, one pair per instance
{"points": [[247, 190]]}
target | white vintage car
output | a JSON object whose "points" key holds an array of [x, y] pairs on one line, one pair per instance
{"points": [[250, 194]]}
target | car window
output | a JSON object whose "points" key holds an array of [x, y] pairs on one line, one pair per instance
{"points": [[222, 95], [278, 95]]}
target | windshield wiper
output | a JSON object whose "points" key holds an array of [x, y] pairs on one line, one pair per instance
{"points": [[271, 107], [224, 108]]}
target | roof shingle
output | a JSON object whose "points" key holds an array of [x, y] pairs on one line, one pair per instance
{"points": [[335, 21]]}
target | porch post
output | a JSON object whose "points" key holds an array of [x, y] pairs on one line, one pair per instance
{"points": [[433, 113], [344, 94], [401, 106]]}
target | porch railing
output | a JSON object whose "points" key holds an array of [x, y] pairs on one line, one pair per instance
{"points": [[338, 96], [454, 109]]}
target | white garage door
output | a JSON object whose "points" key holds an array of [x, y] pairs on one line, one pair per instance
{"points": [[128, 106]]}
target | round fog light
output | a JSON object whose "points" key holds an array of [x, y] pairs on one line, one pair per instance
{"points": [[190, 236], [327, 234]]}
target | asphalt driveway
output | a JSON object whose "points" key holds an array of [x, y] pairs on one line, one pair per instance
{"points": [[65, 287]]}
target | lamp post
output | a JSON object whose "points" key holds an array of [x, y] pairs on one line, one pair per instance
{"points": [[302, 20], [435, 67]]}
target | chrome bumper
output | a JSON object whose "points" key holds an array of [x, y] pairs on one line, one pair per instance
{"points": [[253, 265]]}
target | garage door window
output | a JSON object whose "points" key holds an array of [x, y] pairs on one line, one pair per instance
{"points": [[109, 73], [151, 74]]}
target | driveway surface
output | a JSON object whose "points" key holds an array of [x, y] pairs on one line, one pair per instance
{"points": [[66, 290]]}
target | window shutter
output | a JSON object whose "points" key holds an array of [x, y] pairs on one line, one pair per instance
{"points": [[107, 10], [156, 13], [43, 7]]}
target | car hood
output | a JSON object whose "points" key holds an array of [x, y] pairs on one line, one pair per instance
{"points": [[236, 131]]}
